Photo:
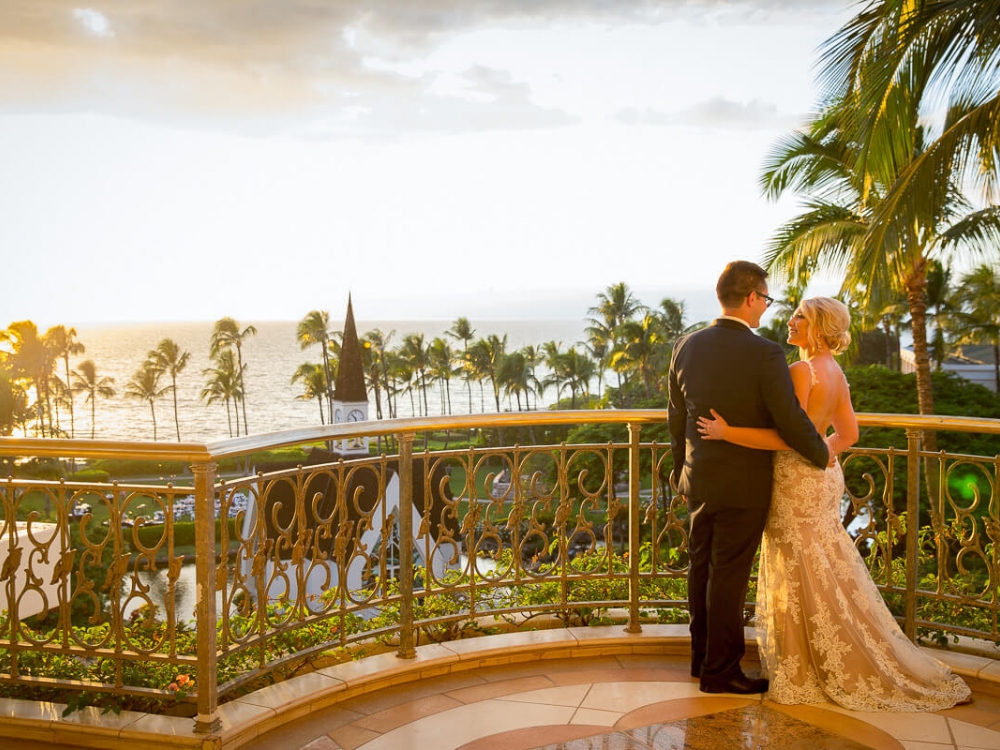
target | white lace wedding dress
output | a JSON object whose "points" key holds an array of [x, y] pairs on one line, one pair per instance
{"points": [[823, 630]]}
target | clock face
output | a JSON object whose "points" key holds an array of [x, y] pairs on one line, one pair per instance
{"points": [[338, 416], [355, 415]]}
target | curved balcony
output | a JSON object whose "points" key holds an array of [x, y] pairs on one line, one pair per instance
{"points": [[330, 557]]}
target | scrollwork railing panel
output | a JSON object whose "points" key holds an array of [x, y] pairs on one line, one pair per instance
{"points": [[308, 557]]}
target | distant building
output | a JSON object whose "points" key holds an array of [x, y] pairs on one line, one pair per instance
{"points": [[30, 553], [972, 363], [350, 395], [308, 537]]}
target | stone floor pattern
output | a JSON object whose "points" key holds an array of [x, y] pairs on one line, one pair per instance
{"points": [[617, 703]]}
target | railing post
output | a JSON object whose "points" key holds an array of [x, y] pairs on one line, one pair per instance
{"points": [[207, 719], [634, 538], [912, 531], [406, 649]]}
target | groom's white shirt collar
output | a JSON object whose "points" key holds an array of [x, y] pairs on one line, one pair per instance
{"points": [[733, 317]]}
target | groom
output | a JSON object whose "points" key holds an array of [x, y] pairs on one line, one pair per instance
{"points": [[728, 368]]}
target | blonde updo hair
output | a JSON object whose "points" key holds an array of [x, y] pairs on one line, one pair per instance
{"points": [[829, 321]]}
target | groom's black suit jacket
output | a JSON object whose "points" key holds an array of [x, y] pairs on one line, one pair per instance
{"points": [[745, 378]]}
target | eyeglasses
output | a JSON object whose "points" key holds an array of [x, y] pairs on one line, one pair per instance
{"points": [[768, 301]]}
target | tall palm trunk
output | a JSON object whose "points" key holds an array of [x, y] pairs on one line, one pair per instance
{"points": [[152, 413], [996, 365], [48, 406], [177, 420], [243, 392], [69, 394], [916, 298]]}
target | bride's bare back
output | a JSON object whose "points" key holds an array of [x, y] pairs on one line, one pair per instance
{"points": [[823, 392]]}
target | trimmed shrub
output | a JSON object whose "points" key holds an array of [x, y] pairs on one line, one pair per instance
{"points": [[90, 475], [184, 533]]}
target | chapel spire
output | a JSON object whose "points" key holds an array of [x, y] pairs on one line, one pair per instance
{"points": [[350, 385]]}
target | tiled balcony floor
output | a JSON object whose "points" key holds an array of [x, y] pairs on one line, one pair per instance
{"points": [[570, 689], [628, 702]]}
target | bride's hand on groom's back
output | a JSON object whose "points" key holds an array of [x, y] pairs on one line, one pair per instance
{"points": [[712, 429], [829, 447]]}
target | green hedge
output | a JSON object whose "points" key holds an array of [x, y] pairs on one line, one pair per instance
{"points": [[184, 534], [41, 468], [90, 475]]}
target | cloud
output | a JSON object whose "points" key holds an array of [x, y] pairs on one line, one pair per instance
{"points": [[93, 21], [717, 112], [278, 64], [480, 100]]}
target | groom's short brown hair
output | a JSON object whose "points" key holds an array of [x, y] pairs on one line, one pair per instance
{"points": [[738, 280]]}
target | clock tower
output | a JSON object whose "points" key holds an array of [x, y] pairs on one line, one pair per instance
{"points": [[350, 396]]}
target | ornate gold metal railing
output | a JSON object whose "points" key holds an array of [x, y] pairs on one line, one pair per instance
{"points": [[416, 543]]}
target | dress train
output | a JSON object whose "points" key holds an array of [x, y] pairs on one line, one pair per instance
{"points": [[823, 630]]}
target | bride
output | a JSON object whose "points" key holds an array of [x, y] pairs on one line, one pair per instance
{"points": [[823, 630]]}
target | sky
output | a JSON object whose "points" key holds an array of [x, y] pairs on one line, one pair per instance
{"points": [[498, 159]]}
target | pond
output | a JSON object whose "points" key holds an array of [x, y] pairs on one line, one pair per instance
{"points": [[186, 588]]}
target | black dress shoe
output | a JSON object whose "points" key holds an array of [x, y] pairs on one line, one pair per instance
{"points": [[740, 684]]}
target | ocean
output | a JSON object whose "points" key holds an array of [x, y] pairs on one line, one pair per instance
{"points": [[271, 358]]}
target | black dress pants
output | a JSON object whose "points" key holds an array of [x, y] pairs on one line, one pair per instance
{"points": [[724, 542]]}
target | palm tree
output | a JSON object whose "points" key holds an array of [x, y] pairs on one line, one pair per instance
{"points": [[490, 355], [616, 306], [471, 366], [418, 361], [463, 331], [14, 409], [644, 351], [314, 328], [8, 402], [227, 335], [145, 385], [598, 343], [62, 395], [374, 356], [978, 318], [64, 344], [898, 57], [533, 357], [580, 370], [314, 385], [401, 376], [838, 229], [169, 358], [572, 368], [515, 377], [673, 319], [223, 384], [32, 360], [87, 381], [939, 302], [555, 362], [441, 360]]}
